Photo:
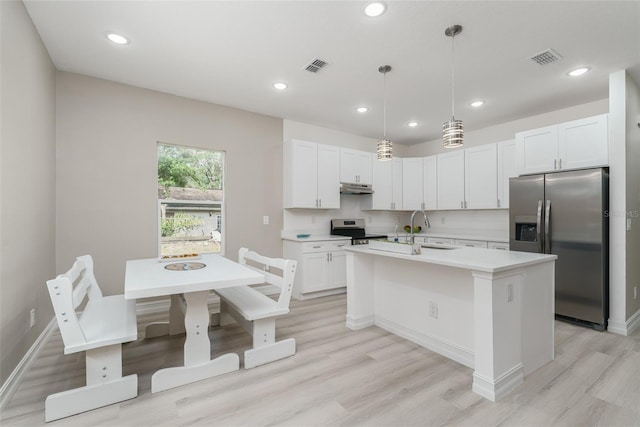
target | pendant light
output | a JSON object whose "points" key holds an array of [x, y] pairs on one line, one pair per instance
{"points": [[452, 130], [384, 146]]}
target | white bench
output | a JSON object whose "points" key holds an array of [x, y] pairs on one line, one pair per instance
{"points": [[256, 312], [99, 330]]}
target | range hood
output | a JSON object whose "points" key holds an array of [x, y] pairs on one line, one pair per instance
{"points": [[355, 188]]}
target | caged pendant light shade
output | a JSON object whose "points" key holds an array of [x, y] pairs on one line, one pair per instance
{"points": [[384, 148], [452, 130]]}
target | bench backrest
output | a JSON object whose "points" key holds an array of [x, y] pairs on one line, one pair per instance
{"points": [[263, 264], [67, 291]]}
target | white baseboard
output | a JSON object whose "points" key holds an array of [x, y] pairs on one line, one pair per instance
{"points": [[496, 390], [13, 381], [452, 351], [363, 322], [625, 328]]}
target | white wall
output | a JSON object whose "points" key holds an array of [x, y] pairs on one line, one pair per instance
{"points": [[107, 172], [624, 200], [27, 184]]}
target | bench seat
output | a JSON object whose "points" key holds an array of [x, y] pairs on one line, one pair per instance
{"points": [[250, 303]]}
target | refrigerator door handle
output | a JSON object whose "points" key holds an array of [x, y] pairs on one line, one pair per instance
{"points": [[539, 225], [547, 227]]}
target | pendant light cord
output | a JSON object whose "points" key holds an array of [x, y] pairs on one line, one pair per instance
{"points": [[452, 78], [384, 105]]}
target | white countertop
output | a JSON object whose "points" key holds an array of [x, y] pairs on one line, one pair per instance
{"points": [[458, 234], [314, 237], [479, 259]]}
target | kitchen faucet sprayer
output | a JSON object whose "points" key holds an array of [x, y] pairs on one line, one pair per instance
{"points": [[426, 223]]}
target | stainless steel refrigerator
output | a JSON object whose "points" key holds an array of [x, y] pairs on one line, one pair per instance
{"points": [[565, 213]]}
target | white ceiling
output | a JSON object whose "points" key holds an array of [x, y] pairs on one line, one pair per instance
{"points": [[231, 52]]}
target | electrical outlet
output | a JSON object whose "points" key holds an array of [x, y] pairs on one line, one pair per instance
{"points": [[313, 219], [32, 317], [265, 220], [433, 309], [510, 292], [443, 220], [635, 292], [628, 224]]}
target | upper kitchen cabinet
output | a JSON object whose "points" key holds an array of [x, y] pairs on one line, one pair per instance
{"points": [[419, 183], [311, 175], [571, 145], [355, 166], [506, 169], [584, 143], [481, 177], [450, 181], [387, 185]]}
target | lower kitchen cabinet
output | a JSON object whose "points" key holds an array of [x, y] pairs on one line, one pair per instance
{"points": [[322, 267]]}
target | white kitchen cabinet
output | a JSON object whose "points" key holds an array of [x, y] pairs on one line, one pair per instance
{"points": [[387, 185], [481, 177], [498, 245], [430, 185], [506, 169], [322, 267], [583, 143], [450, 181], [440, 241], [355, 166], [470, 243], [412, 183], [571, 145], [311, 175], [419, 178]]}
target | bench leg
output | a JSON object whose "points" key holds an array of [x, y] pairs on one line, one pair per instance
{"points": [[269, 353], [265, 348], [105, 385]]}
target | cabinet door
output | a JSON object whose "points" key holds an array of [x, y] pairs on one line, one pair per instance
{"points": [[363, 167], [303, 179], [328, 177], [315, 270], [537, 150], [396, 196], [481, 177], [412, 183], [429, 185], [583, 143], [470, 243], [348, 165], [382, 185], [506, 170], [337, 270], [450, 182]]}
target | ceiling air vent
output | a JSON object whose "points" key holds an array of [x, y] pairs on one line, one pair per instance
{"points": [[316, 65], [546, 57]]}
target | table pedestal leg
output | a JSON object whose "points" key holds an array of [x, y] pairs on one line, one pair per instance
{"points": [[174, 326], [197, 350]]}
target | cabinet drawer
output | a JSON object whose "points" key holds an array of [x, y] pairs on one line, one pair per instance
{"points": [[310, 247], [471, 243], [338, 246], [440, 241], [498, 245]]}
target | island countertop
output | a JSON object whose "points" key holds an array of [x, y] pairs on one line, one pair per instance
{"points": [[479, 259]]}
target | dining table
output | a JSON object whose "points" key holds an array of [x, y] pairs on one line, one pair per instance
{"points": [[188, 282]]}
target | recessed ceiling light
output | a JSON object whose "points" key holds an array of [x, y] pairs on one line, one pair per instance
{"points": [[412, 124], [477, 104], [578, 71], [375, 8], [117, 38], [280, 86], [362, 109]]}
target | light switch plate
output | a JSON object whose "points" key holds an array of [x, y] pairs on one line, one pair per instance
{"points": [[628, 224], [265, 220]]}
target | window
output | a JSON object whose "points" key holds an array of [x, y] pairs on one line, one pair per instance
{"points": [[190, 200]]}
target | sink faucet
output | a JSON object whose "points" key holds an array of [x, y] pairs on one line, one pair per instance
{"points": [[426, 223]]}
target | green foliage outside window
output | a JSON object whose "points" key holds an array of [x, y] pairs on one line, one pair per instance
{"points": [[180, 223], [189, 168]]}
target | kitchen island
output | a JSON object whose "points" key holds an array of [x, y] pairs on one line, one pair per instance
{"points": [[490, 310]]}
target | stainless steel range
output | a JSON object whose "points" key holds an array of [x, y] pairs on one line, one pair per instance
{"points": [[353, 228]]}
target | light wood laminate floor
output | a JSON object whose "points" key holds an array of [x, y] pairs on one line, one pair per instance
{"points": [[343, 377]]}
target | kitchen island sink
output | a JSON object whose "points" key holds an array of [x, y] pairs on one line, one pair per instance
{"points": [[492, 311]]}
